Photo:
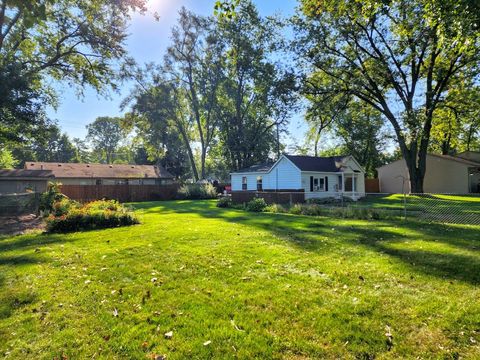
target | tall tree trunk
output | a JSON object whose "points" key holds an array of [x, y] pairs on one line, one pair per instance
{"points": [[202, 162]]}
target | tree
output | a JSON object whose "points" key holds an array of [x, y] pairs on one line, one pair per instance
{"points": [[360, 131], [456, 123], [7, 160], [322, 110], [399, 57], [105, 135], [53, 146], [163, 128], [77, 42], [194, 64], [257, 94]]}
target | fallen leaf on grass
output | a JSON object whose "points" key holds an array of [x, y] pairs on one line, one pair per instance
{"points": [[115, 312], [168, 335], [388, 334], [206, 343], [235, 325], [156, 357]]}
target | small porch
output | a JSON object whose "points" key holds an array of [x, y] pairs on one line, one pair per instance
{"points": [[350, 186]]}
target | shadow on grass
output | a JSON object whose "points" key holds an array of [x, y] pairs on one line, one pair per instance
{"points": [[19, 260], [28, 241], [306, 232]]}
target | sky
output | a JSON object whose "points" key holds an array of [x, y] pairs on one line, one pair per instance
{"points": [[147, 42]]}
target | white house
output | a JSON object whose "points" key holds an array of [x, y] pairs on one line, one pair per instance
{"points": [[318, 177]]}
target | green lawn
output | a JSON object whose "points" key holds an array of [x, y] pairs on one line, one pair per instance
{"points": [[254, 285]]}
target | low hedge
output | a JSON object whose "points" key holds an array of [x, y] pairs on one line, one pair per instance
{"points": [[95, 215], [197, 192]]}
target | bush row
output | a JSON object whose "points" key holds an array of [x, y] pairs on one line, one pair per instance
{"points": [[309, 209], [68, 215], [197, 192]]}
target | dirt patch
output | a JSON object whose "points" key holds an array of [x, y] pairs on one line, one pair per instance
{"points": [[16, 225]]}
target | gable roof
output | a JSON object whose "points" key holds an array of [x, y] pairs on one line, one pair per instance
{"points": [[303, 163], [443, 157], [316, 163], [265, 167], [109, 171], [457, 159], [11, 174]]}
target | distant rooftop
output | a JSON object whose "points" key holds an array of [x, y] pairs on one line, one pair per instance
{"points": [[108, 171], [25, 174]]}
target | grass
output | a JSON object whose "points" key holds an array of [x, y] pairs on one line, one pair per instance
{"points": [[255, 285]]}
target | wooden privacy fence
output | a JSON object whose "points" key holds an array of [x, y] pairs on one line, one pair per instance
{"points": [[122, 193], [270, 197], [372, 186]]}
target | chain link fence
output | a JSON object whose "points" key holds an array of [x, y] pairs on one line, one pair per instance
{"points": [[444, 208], [19, 203]]}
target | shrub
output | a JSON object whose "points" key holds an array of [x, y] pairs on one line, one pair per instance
{"points": [[225, 202], [296, 209], [63, 206], [112, 205], [50, 197], [95, 215], [330, 201], [306, 209], [358, 213], [276, 208], [256, 205], [197, 192], [312, 210]]}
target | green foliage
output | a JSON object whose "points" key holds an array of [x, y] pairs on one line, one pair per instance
{"points": [[7, 160], [105, 134], [256, 205], [276, 208], [69, 216], [50, 197], [197, 191], [111, 205], [380, 52], [224, 202], [78, 42], [64, 206]]}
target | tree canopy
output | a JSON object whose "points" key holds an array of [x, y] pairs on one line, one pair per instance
{"points": [[399, 57]]}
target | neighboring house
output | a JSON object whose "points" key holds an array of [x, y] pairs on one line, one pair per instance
{"points": [[444, 174], [104, 174], [22, 180], [317, 177]]}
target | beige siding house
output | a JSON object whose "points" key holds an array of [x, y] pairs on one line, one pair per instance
{"points": [[445, 174]]}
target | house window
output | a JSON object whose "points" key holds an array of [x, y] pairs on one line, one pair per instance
{"points": [[259, 183], [244, 183], [340, 182], [318, 184]]}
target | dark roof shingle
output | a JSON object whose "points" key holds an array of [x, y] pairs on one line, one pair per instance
{"points": [[265, 167], [25, 173], [315, 163], [112, 171]]}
